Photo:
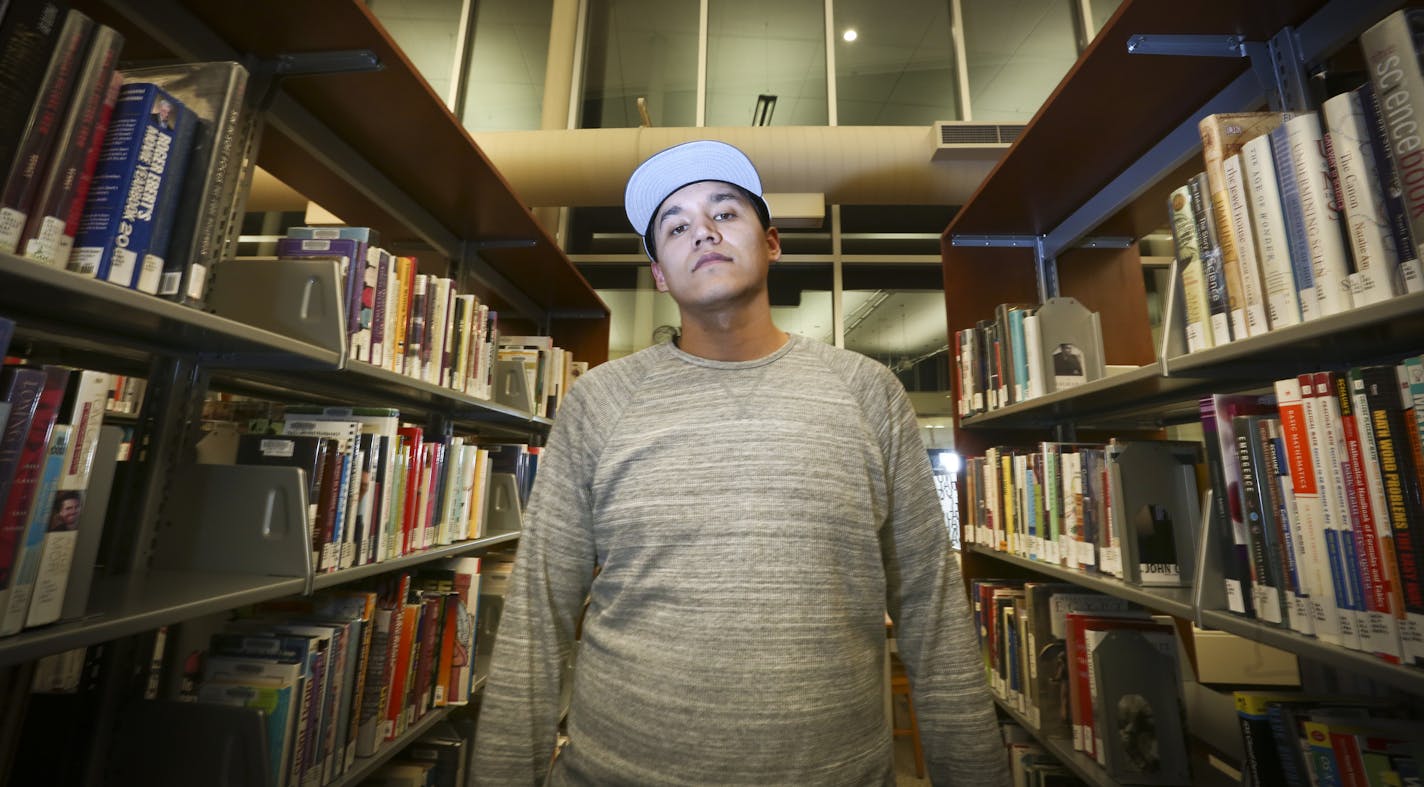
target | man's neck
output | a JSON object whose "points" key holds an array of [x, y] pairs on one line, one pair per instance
{"points": [[722, 337]]}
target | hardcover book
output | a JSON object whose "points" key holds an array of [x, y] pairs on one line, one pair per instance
{"points": [[1392, 55], [27, 41], [1273, 244]]}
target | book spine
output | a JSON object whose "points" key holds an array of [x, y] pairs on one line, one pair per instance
{"points": [[27, 41], [1329, 263], [171, 171], [1401, 492], [101, 243], [1266, 592], [1366, 221], [1184, 237], [156, 146], [1208, 245], [379, 295], [1253, 295], [1409, 276], [23, 183], [1293, 213], [1219, 142], [49, 232], [1394, 68], [1268, 219], [29, 468], [1339, 544], [1234, 549], [1300, 459], [30, 550], [1291, 538], [1375, 580]]}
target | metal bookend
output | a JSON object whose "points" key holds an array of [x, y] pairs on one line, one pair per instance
{"points": [[237, 518], [1174, 324], [300, 299], [505, 514], [1209, 584], [511, 386]]}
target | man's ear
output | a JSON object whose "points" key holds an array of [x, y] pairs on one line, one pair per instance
{"points": [[773, 244], [658, 278]]}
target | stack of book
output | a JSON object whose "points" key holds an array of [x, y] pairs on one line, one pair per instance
{"points": [[53, 446], [1087, 668], [1127, 508], [1024, 352], [1299, 216], [132, 177], [1321, 498]]}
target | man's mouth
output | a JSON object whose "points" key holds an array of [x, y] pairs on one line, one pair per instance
{"points": [[709, 259]]}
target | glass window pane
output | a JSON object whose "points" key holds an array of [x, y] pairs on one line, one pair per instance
{"points": [[1016, 54], [425, 30], [801, 299], [894, 63], [640, 48], [1102, 11], [895, 314], [508, 55], [757, 48]]}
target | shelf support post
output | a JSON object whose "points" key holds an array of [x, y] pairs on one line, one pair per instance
{"points": [[1046, 266]]}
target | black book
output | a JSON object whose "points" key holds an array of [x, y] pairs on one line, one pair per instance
{"points": [[22, 184], [27, 39]]}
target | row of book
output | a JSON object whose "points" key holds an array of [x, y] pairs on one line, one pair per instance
{"points": [[50, 447], [418, 325], [1321, 497], [339, 674], [378, 488], [1087, 668], [1024, 352], [1303, 215], [132, 177], [1126, 508], [1296, 739]]}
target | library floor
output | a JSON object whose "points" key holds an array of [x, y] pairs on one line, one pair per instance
{"points": [[905, 765]]}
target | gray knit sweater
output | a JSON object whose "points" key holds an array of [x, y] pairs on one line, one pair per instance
{"points": [[754, 521]]}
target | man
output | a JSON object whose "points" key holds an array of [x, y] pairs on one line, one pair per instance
{"points": [[755, 503]]}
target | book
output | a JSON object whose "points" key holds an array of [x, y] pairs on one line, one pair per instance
{"points": [[1213, 268], [1301, 460], [1222, 136], [1268, 593], [27, 40], [359, 301], [1393, 61], [1253, 293], [216, 94], [1182, 216], [1218, 412], [72, 595], [45, 508], [141, 161], [48, 237], [1325, 241], [1272, 232], [1367, 222], [1322, 423], [29, 470], [26, 176], [1409, 276]]}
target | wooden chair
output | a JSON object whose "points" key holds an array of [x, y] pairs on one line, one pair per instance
{"points": [[900, 686]]}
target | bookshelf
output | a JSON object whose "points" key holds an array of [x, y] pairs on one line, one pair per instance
{"points": [[1017, 240], [377, 148]]}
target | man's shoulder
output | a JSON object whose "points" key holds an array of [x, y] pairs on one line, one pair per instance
{"points": [[849, 364], [624, 374]]}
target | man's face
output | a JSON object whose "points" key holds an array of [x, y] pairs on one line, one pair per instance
{"points": [[69, 511], [710, 246]]}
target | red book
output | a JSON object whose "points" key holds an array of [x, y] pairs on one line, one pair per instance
{"points": [[432, 613], [415, 441], [28, 468]]}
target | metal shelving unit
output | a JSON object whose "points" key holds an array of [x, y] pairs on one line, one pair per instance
{"points": [[1083, 766], [365, 766], [1173, 601], [458, 549]]}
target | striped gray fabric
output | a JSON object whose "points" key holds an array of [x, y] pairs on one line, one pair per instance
{"points": [[753, 521]]}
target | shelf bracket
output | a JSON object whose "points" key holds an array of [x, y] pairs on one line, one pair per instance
{"points": [[1279, 64], [343, 61], [1046, 267]]}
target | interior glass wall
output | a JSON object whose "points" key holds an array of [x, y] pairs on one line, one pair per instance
{"points": [[894, 63], [640, 49], [776, 49]]}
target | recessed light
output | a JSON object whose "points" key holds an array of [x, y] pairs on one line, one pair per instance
{"points": [[850, 35]]}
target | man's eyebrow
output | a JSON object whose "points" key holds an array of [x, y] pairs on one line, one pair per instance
{"points": [[721, 196]]}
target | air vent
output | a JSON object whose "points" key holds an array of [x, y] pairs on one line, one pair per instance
{"points": [[960, 140]]}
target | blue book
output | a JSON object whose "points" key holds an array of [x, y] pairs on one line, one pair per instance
{"points": [[1294, 213], [135, 167], [165, 212]]}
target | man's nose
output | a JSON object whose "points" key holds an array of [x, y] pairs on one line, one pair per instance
{"points": [[706, 230]]}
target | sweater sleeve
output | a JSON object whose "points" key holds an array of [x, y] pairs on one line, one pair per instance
{"points": [[519, 714], [928, 602]]}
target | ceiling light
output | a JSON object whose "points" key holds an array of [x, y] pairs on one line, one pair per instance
{"points": [[849, 35]]}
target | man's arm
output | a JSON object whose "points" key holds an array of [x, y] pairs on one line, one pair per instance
{"points": [[934, 629], [519, 714]]}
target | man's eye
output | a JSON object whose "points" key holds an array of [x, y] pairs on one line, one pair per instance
{"points": [[726, 214], [678, 230]]}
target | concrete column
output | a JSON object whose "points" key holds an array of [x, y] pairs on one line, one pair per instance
{"points": [[558, 86]]}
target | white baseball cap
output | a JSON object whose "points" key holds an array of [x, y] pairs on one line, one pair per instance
{"points": [[681, 165]]}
